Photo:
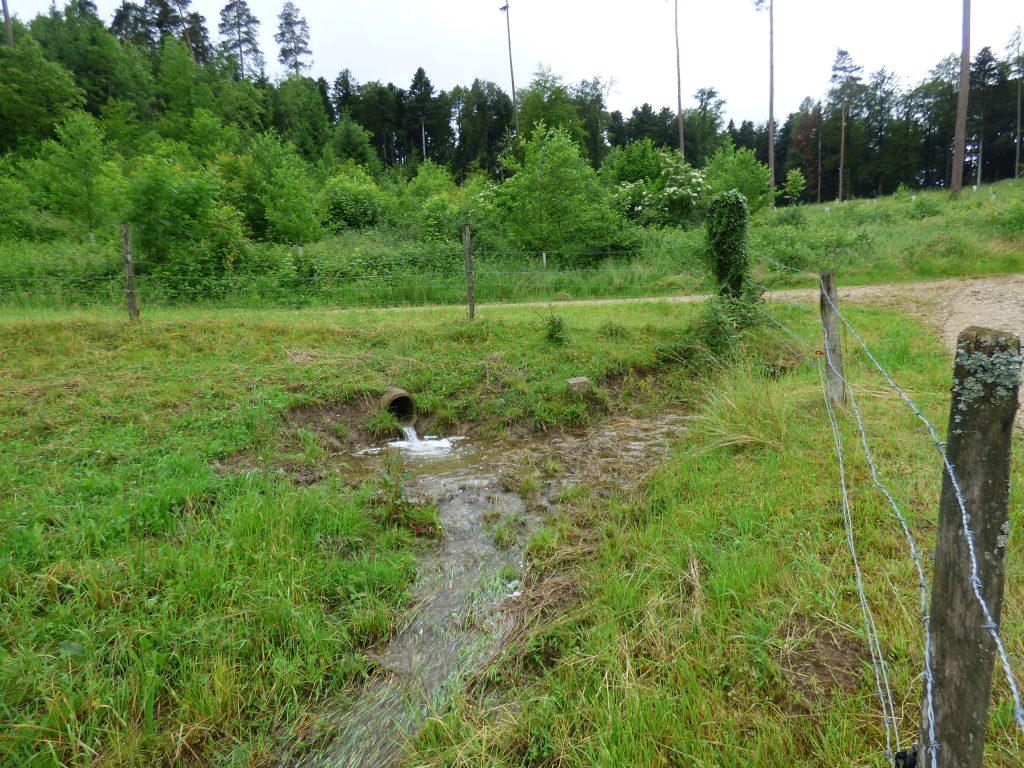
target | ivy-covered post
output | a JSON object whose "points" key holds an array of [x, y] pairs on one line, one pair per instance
{"points": [[727, 242], [970, 564]]}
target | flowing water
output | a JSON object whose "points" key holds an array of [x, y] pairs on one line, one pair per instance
{"points": [[459, 617]]}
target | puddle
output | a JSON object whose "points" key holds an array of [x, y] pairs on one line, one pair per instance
{"points": [[458, 619]]}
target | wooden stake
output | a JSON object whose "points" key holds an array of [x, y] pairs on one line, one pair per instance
{"points": [[986, 380], [129, 274], [467, 245], [833, 348]]}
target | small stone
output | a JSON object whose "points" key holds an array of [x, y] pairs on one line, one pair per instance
{"points": [[579, 385]]}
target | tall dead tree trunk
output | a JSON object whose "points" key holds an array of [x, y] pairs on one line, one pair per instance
{"points": [[679, 91], [957, 182], [10, 30], [842, 152], [771, 98]]}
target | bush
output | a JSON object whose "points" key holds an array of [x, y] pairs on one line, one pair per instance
{"points": [[653, 187], [171, 208], [728, 250], [351, 200], [568, 213], [739, 169]]}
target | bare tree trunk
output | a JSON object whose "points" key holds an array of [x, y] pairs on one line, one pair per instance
{"points": [[842, 152], [679, 90], [511, 69], [819, 159], [771, 98], [1016, 160], [981, 150], [960, 140], [10, 35]]}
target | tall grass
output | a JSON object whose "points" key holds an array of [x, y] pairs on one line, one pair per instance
{"points": [[717, 621]]}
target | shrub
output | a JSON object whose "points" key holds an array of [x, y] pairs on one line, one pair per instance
{"points": [[739, 169], [351, 200], [568, 212], [727, 242], [171, 207]]}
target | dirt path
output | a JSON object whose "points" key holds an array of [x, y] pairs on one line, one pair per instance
{"points": [[948, 305]]}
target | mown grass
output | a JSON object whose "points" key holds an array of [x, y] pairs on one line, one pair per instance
{"points": [[160, 607], [711, 619], [909, 236]]}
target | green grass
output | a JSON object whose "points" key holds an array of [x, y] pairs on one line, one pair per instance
{"points": [[167, 594], [910, 236], [712, 618]]}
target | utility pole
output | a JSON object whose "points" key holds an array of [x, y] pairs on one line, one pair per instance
{"points": [[511, 69], [423, 131], [10, 30], [679, 90], [957, 182]]}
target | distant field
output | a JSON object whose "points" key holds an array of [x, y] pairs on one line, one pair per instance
{"points": [[910, 236]]}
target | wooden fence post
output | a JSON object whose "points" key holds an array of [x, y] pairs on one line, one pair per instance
{"points": [[467, 245], [129, 274], [833, 348], [986, 380]]}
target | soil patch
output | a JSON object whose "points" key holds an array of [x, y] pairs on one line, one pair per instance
{"points": [[820, 661]]}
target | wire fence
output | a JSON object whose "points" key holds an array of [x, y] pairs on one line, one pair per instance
{"points": [[382, 290], [932, 739]]}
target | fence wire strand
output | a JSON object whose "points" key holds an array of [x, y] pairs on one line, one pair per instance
{"points": [[877, 658], [990, 625]]}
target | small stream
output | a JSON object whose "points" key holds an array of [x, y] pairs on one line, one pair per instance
{"points": [[458, 620]]}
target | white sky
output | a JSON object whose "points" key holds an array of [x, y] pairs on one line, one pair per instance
{"points": [[725, 42]]}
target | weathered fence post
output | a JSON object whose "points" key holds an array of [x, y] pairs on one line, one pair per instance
{"points": [[986, 380], [833, 347], [129, 273], [467, 245]]}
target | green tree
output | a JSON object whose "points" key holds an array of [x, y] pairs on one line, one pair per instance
{"points": [[299, 115], [171, 208], [76, 168], [102, 67], [240, 29], [293, 37], [349, 141], [730, 168], [555, 202], [35, 94], [547, 101], [795, 186], [291, 203]]}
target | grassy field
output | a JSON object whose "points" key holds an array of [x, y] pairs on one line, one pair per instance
{"points": [[910, 236], [711, 618], [161, 606]]}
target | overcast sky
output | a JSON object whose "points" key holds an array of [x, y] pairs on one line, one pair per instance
{"points": [[631, 44]]}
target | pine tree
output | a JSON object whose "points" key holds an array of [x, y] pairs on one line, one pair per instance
{"points": [[293, 37], [240, 28]]}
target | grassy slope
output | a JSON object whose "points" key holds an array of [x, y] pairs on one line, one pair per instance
{"points": [[156, 611], [717, 622], [918, 236], [906, 237]]}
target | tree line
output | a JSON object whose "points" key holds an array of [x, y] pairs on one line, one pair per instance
{"points": [[155, 72]]}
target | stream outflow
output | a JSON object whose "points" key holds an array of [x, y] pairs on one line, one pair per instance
{"points": [[458, 619]]}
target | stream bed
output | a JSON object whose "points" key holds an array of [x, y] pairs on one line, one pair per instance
{"points": [[459, 618]]}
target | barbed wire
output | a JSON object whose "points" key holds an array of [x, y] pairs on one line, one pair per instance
{"points": [[975, 582], [877, 657]]}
